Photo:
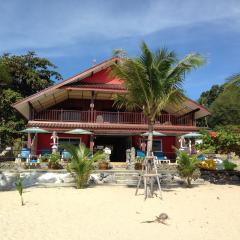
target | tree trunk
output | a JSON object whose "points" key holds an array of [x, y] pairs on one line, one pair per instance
{"points": [[189, 180], [150, 138]]}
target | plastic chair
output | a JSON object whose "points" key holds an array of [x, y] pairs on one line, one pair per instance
{"points": [[25, 154], [66, 155], [140, 154]]}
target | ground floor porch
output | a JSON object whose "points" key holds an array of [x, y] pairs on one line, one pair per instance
{"points": [[119, 144]]}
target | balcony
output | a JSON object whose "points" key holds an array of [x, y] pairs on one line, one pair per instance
{"points": [[110, 117]]}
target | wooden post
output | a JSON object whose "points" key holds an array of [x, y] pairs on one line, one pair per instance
{"points": [[91, 143], [29, 142]]}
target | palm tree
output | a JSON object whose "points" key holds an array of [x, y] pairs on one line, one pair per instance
{"points": [[153, 81], [82, 163], [188, 167]]}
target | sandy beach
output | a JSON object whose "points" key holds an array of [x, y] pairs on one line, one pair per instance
{"points": [[113, 212]]}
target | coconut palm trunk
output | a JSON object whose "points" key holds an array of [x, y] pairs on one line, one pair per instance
{"points": [[150, 138]]}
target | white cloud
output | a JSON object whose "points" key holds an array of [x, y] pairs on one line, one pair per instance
{"points": [[51, 23]]}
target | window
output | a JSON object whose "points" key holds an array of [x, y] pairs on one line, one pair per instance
{"points": [[73, 141], [157, 145]]}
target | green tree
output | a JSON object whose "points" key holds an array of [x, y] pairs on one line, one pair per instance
{"points": [[4, 75], [208, 97], [29, 73], [226, 108], [153, 81], [81, 163], [234, 80], [20, 76]]}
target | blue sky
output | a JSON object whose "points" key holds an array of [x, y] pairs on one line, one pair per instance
{"points": [[72, 33]]}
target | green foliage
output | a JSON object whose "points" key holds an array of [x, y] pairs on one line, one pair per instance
{"points": [[226, 108], [20, 76], [233, 80], [153, 81], [54, 160], [208, 97], [82, 163], [227, 140], [19, 187], [4, 75], [188, 166], [139, 159], [229, 165], [29, 73], [223, 103]]}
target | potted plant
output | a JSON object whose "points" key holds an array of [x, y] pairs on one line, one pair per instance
{"points": [[103, 164], [44, 158], [138, 163], [54, 161]]}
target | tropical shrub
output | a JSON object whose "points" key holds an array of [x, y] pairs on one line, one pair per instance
{"points": [[188, 167], [19, 187], [226, 140], [82, 163], [229, 165], [54, 161], [138, 163]]}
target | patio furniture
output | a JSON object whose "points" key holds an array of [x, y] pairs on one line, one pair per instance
{"points": [[25, 154], [140, 154], [65, 156], [160, 158]]}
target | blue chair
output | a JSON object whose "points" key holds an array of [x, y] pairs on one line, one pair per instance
{"points": [[45, 151], [201, 157], [140, 154], [25, 154], [159, 155], [66, 155], [160, 158]]}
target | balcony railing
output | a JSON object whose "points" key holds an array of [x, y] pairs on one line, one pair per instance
{"points": [[109, 117]]}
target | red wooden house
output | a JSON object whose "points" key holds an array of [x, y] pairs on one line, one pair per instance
{"points": [[85, 101]]}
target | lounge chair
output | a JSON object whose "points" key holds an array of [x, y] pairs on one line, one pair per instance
{"points": [[160, 158]]}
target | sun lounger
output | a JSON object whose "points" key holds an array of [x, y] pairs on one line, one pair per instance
{"points": [[159, 158]]}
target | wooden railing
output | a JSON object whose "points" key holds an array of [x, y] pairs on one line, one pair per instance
{"points": [[109, 117]]}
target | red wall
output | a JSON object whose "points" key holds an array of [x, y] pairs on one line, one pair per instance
{"points": [[102, 77], [167, 143], [44, 140]]}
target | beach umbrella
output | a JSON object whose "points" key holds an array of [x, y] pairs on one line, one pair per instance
{"points": [[192, 135], [34, 130], [79, 131], [154, 134]]}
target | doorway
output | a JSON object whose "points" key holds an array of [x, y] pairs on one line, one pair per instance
{"points": [[117, 144]]}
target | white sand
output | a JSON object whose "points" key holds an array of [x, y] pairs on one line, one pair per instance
{"points": [[204, 212]]}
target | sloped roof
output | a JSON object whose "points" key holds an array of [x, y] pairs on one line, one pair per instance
{"points": [[81, 85]]}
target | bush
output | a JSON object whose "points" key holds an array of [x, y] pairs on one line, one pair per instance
{"points": [[229, 165], [54, 161], [188, 167], [225, 141]]}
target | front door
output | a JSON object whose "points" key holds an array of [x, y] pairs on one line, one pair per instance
{"points": [[117, 144]]}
